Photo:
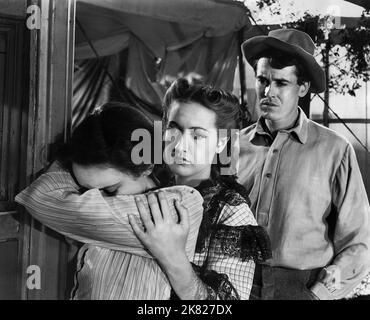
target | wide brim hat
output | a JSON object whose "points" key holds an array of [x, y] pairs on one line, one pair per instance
{"points": [[292, 42]]}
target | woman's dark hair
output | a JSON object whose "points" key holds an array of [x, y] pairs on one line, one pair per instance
{"points": [[104, 138], [279, 60], [224, 104]]}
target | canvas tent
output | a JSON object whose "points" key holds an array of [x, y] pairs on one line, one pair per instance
{"points": [[142, 45]]}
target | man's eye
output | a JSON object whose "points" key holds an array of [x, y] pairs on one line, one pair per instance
{"points": [[280, 84]]}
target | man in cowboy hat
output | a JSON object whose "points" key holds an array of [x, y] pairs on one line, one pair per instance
{"points": [[303, 179]]}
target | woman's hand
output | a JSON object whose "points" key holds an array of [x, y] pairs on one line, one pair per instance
{"points": [[164, 237]]}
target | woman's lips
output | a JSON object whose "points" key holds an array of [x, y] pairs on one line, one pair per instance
{"points": [[181, 161]]}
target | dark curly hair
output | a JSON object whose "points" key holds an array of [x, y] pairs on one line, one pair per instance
{"points": [[104, 138], [224, 104]]}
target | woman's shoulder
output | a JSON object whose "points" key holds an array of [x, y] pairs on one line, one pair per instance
{"points": [[229, 218], [226, 189], [231, 193], [227, 201], [236, 215]]}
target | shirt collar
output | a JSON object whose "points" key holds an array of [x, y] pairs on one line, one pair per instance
{"points": [[300, 129]]}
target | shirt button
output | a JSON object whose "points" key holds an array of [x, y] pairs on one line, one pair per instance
{"points": [[268, 175]]}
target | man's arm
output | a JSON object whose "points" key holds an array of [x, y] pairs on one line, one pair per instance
{"points": [[352, 232], [54, 200]]}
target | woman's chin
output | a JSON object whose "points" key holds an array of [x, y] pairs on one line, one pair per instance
{"points": [[181, 169]]}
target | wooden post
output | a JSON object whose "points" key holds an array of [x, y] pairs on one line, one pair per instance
{"points": [[51, 75], [304, 103], [325, 116], [242, 79], [241, 69]]}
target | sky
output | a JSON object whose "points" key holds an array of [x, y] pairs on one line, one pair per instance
{"points": [[298, 7]]}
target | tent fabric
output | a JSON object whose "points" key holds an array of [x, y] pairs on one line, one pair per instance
{"points": [[219, 17], [105, 47], [161, 40], [362, 3], [160, 24], [212, 59], [92, 87]]}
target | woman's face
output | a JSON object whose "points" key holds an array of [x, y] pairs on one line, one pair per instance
{"points": [[107, 179], [191, 139]]}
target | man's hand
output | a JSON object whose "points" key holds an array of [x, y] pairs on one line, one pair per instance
{"points": [[330, 277]]}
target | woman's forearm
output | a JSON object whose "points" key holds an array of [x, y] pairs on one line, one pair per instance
{"points": [[184, 280]]}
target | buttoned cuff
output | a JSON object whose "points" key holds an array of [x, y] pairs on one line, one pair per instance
{"points": [[321, 292]]}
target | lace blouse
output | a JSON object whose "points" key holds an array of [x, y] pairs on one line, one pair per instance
{"points": [[229, 242]]}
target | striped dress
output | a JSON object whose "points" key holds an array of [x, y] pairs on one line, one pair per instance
{"points": [[112, 263]]}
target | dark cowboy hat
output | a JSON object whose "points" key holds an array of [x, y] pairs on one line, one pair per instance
{"points": [[293, 42]]}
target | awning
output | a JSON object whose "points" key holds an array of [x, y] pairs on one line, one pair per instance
{"points": [[164, 39], [161, 24], [363, 3]]}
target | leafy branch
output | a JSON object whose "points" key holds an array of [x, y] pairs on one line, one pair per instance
{"points": [[349, 54], [349, 67]]}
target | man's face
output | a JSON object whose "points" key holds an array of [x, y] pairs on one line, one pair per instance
{"points": [[278, 92]]}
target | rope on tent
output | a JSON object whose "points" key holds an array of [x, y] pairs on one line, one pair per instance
{"points": [[123, 92], [344, 123], [241, 69], [114, 83]]}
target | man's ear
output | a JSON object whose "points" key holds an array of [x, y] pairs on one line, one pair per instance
{"points": [[304, 88], [221, 144]]}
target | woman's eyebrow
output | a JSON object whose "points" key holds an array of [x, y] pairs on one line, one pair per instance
{"points": [[174, 124], [198, 128]]}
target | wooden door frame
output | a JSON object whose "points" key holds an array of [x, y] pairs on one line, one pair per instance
{"points": [[15, 100], [50, 105]]}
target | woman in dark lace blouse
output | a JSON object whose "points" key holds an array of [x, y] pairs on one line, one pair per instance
{"points": [[229, 242]]}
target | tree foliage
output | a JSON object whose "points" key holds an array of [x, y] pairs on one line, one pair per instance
{"points": [[349, 54]]}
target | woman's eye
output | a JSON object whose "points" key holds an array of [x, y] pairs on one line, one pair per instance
{"points": [[110, 192], [198, 137]]}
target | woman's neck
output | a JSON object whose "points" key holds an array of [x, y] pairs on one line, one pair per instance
{"points": [[193, 180]]}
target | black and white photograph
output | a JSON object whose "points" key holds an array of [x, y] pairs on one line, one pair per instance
{"points": [[203, 151]]}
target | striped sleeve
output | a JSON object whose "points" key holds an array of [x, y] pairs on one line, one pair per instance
{"points": [[55, 201]]}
